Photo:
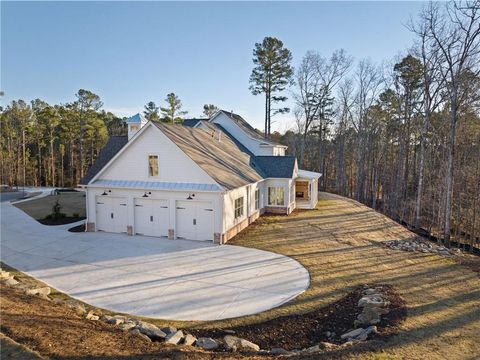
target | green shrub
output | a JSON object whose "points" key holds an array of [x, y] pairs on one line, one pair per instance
{"points": [[56, 212], [76, 215]]}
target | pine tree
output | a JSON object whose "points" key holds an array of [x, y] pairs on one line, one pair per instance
{"points": [[173, 112], [151, 111], [209, 110], [271, 75]]}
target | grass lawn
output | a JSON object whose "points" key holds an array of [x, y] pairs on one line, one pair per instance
{"points": [[71, 202], [339, 244]]}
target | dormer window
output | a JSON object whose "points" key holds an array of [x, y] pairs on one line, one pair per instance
{"points": [[152, 165], [134, 128]]}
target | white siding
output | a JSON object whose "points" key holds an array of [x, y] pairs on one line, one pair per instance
{"points": [[173, 164], [171, 196], [248, 193], [285, 183], [251, 144]]}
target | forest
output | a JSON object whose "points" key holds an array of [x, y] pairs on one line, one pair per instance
{"points": [[402, 136]]}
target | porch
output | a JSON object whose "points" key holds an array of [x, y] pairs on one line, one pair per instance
{"points": [[306, 189]]}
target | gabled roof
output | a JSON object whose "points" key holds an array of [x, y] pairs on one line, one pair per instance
{"points": [[215, 153], [276, 166], [113, 146], [191, 122], [246, 127], [136, 119]]}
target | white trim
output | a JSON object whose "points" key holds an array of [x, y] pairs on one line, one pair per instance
{"points": [[133, 139]]}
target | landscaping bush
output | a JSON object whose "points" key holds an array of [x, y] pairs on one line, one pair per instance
{"points": [[56, 212]]}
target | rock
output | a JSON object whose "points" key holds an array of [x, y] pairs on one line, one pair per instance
{"points": [[326, 345], [366, 332], [370, 291], [228, 331], [115, 320], [5, 275], [79, 308], [372, 300], [92, 316], [206, 343], [370, 315], [360, 333], [139, 334], [279, 351], [11, 282], [189, 340], [311, 350], [127, 325], [169, 329], [352, 334], [233, 343], [174, 338], [150, 330], [39, 291]]}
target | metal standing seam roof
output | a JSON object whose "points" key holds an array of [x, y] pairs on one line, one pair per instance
{"points": [[157, 185], [137, 118]]}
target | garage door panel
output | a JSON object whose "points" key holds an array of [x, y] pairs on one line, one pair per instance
{"points": [[194, 220], [152, 217], [111, 213]]}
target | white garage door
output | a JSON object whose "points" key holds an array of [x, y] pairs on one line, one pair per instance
{"points": [[111, 214], [151, 217], [194, 220]]}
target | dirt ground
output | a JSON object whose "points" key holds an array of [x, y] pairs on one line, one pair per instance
{"points": [[71, 202], [339, 245]]}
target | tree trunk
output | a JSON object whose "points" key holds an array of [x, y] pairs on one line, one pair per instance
{"points": [[449, 175]]}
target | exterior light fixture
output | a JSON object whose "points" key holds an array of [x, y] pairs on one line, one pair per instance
{"points": [[145, 195], [104, 193], [190, 196]]}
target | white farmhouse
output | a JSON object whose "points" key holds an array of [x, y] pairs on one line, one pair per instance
{"points": [[203, 180]]}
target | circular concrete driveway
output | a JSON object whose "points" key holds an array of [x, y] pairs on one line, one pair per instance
{"points": [[152, 277]]}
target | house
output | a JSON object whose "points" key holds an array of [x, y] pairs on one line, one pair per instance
{"points": [[206, 179]]}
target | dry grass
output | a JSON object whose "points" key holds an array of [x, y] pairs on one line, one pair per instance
{"points": [[339, 245], [71, 202]]}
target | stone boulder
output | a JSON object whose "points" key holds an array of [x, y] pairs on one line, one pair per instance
{"points": [[174, 338], [206, 343], [11, 281], [139, 334], [150, 330], [43, 291], [279, 351], [189, 340], [169, 329], [360, 333], [233, 343], [371, 300], [116, 319], [128, 325]]}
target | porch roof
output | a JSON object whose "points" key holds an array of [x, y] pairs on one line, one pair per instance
{"points": [[308, 174]]}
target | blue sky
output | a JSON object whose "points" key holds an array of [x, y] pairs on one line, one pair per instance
{"points": [[134, 52]]}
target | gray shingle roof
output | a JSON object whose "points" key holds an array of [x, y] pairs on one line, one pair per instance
{"points": [[223, 160], [191, 122], [245, 126], [113, 146], [275, 166]]}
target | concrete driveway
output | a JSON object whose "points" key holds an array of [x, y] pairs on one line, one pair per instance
{"points": [[152, 277]]}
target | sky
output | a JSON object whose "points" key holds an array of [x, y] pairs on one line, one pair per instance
{"points": [[130, 53]]}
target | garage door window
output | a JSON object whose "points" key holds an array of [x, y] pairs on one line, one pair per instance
{"points": [[152, 165], [239, 207], [276, 195]]}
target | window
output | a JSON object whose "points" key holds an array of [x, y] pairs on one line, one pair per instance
{"points": [[152, 165], [238, 207], [276, 195], [134, 128], [257, 199]]}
